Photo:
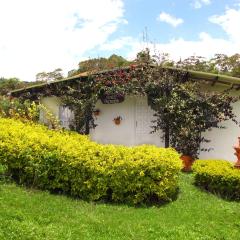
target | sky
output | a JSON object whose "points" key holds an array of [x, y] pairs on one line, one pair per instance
{"points": [[42, 35]]}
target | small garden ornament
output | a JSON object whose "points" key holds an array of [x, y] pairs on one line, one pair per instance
{"points": [[117, 120]]}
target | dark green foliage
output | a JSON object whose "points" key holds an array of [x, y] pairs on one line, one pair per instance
{"points": [[8, 84], [186, 112], [183, 110]]}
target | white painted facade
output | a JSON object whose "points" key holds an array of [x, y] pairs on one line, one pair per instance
{"points": [[223, 140], [135, 129], [135, 126]]}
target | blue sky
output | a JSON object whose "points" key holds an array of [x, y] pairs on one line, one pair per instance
{"points": [[43, 35]]}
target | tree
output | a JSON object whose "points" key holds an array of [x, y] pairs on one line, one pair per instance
{"points": [[183, 111], [9, 84], [196, 63], [220, 63], [227, 64], [55, 75], [98, 64]]}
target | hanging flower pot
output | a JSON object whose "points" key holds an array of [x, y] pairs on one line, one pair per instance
{"points": [[96, 112], [117, 120], [187, 163]]}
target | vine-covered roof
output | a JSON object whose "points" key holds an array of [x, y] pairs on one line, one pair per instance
{"points": [[233, 82]]}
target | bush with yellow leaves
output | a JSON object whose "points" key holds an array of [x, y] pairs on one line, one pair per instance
{"points": [[70, 163], [218, 176]]}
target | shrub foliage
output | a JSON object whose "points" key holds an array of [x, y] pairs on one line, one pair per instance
{"points": [[13, 108], [71, 163], [218, 176]]}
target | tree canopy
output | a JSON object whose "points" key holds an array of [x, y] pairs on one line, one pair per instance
{"points": [[57, 74], [8, 84], [98, 64]]}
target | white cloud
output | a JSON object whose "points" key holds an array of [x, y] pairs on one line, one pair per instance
{"points": [[205, 46], [118, 44], [229, 23], [172, 20], [199, 3], [43, 35]]}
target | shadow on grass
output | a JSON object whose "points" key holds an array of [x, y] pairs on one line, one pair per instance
{"points": [[218, 194], [152, 200]]}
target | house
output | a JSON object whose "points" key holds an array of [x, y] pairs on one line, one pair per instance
{"points": [[128, 120]]}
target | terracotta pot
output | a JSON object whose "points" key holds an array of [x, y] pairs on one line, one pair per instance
{"points": [[117, 121], [187, 163], [96, 112], [237, 153], [237, 165]]}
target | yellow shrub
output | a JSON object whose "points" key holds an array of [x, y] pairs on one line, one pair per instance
{"points": [[69, 162], [218, 176]]}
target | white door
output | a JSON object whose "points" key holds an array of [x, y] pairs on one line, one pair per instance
{"points": [[143, 122]]}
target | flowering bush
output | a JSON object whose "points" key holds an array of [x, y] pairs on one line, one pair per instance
{"points": [[71, 163]]}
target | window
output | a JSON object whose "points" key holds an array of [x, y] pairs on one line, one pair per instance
{"points": [[65, 116]]}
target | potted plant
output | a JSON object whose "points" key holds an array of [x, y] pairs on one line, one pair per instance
{"points": [[184, 113], [117, 120], [187, 141]]}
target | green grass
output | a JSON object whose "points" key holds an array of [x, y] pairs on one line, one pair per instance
{"points": [[30, 214]]}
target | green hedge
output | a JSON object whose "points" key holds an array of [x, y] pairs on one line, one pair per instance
{"points": [[71, 163], [218, 176]]}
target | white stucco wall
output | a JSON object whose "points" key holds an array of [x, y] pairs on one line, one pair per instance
{"points": [[222, 140], [135, 125], [52, 104]]}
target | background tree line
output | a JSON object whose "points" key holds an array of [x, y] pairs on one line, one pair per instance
{"points": [[220, 63]]}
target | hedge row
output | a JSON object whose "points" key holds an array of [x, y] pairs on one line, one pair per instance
{"points": [[71, 163], [218, 176]]}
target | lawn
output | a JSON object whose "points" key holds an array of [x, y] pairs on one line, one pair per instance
{"points": [[30, 214]]}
